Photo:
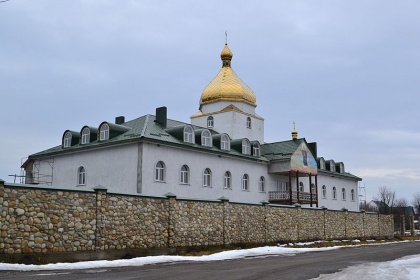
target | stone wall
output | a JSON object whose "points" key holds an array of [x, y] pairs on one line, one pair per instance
{"points": [[36, 220]]}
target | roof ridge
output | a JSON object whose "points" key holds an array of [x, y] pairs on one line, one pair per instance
{"points": [[146, 122]]}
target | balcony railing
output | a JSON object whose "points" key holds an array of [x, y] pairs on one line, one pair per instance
{"points": [[283, 197]]}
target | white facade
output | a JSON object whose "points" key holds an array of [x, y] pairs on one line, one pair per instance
{"points": [[152, 156]]}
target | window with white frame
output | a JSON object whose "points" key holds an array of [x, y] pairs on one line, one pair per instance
{"points": [[160, 172], [256, 149], [322, 164], [185, 175], [324, 191], [67, 139], [227, 180], [225, 142], [85, 135], [313, 189], [261, 184], [210, 121], [206, 138], [104, 132], [246, 149], [207, 177], [81, 176], [341, 167], [282, 186], [248, 122], [188, 134], [332, 166], [301, 187], [245, 182], [352, 195], [343, 194], [334, 193]]}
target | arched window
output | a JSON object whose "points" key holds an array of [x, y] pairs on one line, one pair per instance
{"points": [[245, 182], [206, 138], [301, 187], [81, 176], [160, 172], [104, 132], [67, 139], [225, 142], [246, 149], [185, 175], [341, 166], [261, 184], [207, 177], [334, 193], [332, 166], [256, 149], [343, 194], [352, 195], [248, 122], [210, 122], [227, 180], [324, 191], [188, 134], [322, 164], [85, 135]]}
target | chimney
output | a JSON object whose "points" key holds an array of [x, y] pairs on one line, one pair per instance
{"points": [[161, 116], [120, 120]]}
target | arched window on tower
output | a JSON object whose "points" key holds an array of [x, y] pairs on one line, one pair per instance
{"points": [[210, 122], [248, 122]]}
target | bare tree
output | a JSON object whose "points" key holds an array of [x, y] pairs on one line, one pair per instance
{"points": [[388, 199], [400, 202], [416, 203]]}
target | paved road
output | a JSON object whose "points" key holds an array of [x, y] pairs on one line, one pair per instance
{"points": [[300, 266]]}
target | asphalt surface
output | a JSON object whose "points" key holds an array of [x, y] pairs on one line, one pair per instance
{"points": [[300, 266]]}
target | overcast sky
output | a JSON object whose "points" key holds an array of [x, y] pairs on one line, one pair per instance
{"points": [[347, 72]]}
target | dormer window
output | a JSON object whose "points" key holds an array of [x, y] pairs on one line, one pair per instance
{"points": [[67, 139], [188, 134], [246, 147], [332, 166], [225, 142], [256, 149], [248, 122], [341, 167], [206, 138], [210, 122], [85, 135], [322, 164], [104, 132]]}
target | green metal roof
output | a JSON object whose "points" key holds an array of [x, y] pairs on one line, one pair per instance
{"points": [[280, 150], [146, 128]]}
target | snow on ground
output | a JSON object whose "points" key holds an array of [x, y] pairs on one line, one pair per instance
{"points": [[405, 268]]}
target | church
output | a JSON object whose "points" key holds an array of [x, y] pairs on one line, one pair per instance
{"points": [[219, 155]]}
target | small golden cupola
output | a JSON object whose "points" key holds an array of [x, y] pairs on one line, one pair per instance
{"points": [[294, 132], [227, 86]]}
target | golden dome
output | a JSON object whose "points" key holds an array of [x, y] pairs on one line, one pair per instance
{"points": [[227, 85]]}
